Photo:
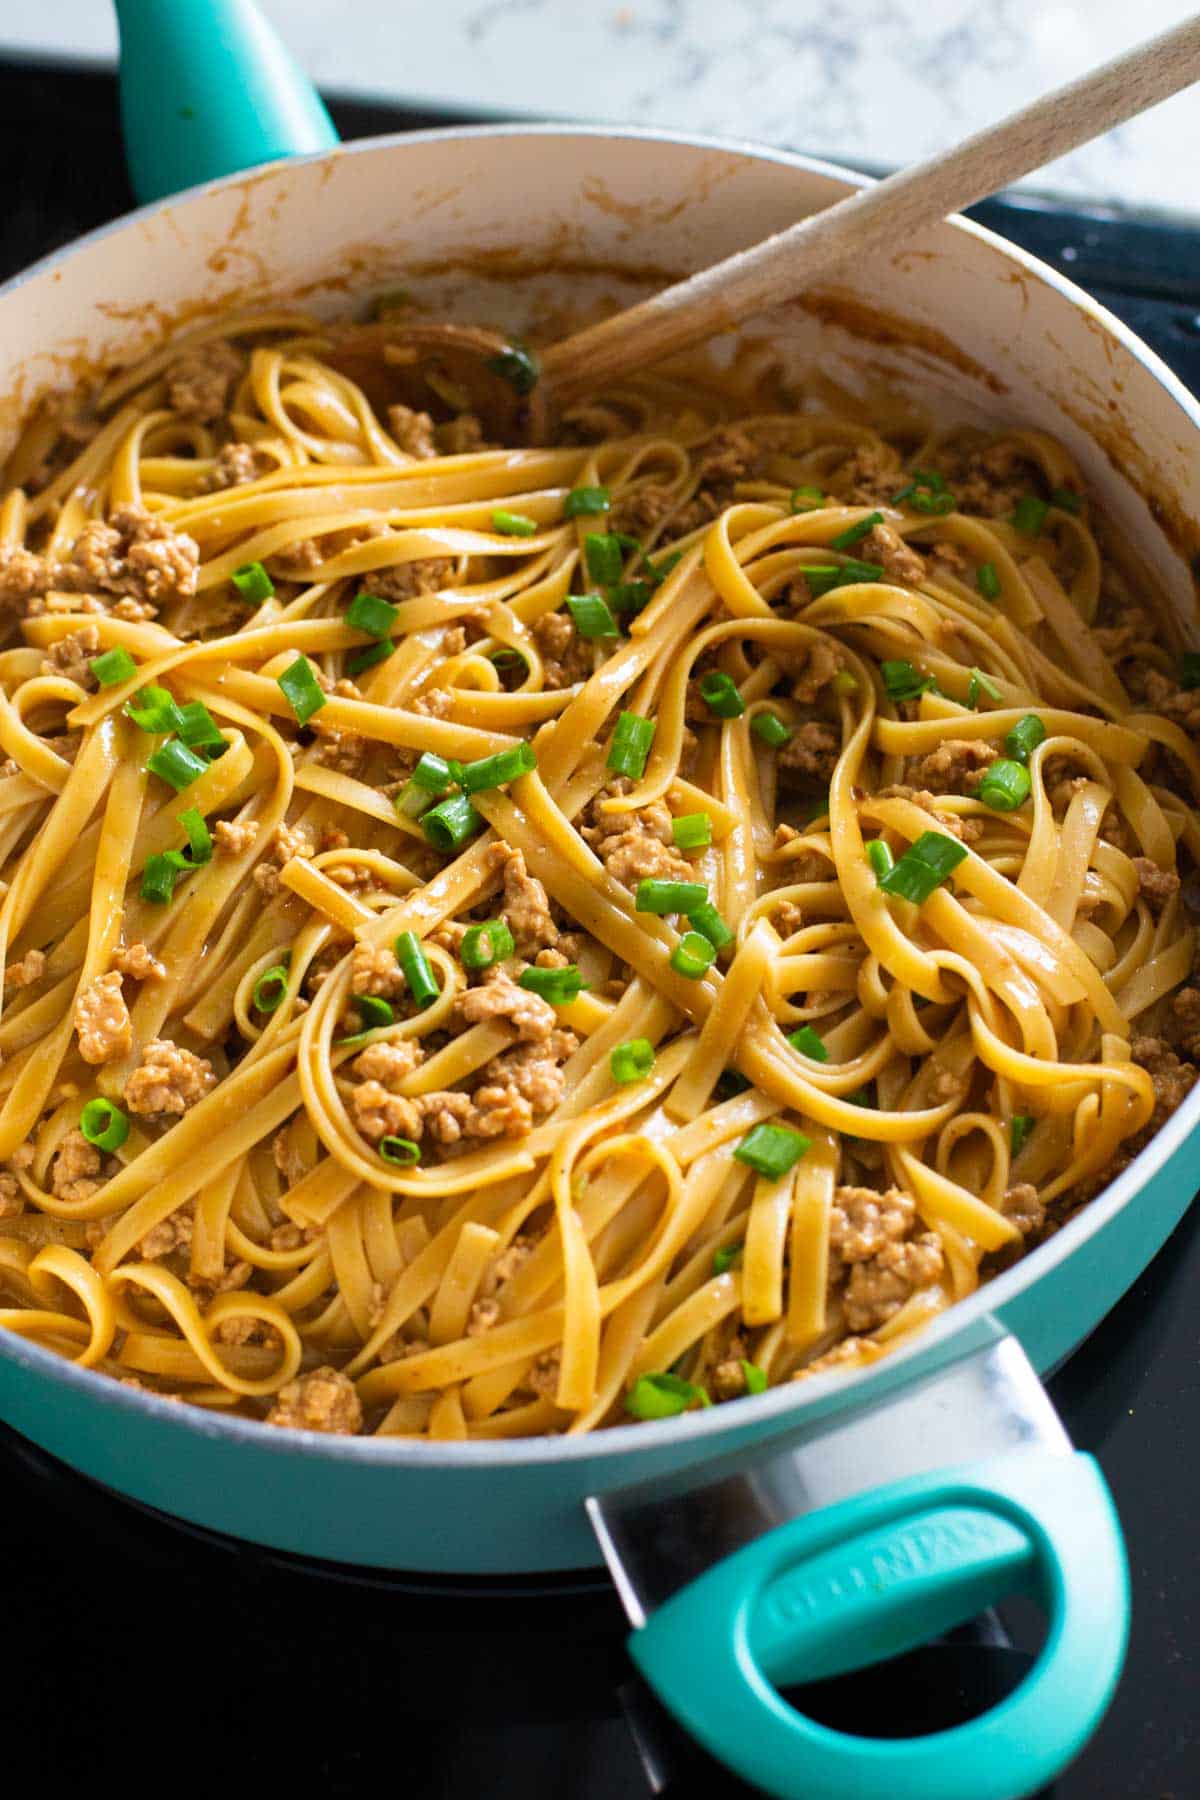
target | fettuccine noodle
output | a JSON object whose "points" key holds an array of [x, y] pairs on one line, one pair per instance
{"points": [[499, 939]]}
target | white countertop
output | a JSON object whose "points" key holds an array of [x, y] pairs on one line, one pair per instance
{"points": [[867, 82]]}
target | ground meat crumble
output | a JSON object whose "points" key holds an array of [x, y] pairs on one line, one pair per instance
{"points": [[139, 962], [31, 968], [134, 555], [76, 1172], [72, 656], [200, 381], [566, 657], [955, 767], [168, 1080], [635, 845], [811, 753], [102, 1019], [324, 1400], [526, 908], [875, 1254], [404, 581], [234, 466]]}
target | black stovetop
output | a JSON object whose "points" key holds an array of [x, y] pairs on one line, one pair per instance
{"points": [[134, 1644]]}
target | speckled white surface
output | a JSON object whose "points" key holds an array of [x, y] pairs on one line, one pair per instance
{"points": [[865, 81]]}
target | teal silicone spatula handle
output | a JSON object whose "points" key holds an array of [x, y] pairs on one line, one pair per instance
{"points": [[207, 88], [864, 1579]]}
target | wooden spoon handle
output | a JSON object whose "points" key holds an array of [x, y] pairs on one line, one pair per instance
{"points": [[877, 218]]}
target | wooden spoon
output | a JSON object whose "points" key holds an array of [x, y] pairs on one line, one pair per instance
{"points": [[879, 218]]}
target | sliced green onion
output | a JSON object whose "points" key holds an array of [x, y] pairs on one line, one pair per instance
{"points": [[926, 493], [660, 570], [1005, 785], [663, 1397], [692, 831], [845, 682], [432, 773], [805, 499], [719, 693], [486, 944], [1067, 499], [592, 616], [853, 533], [981, 684], [604, 556], [772, 1149], [630, 745], [1019, 1128], [809, 1043], [632, 1061], [1029, 514], [495, 771], [160, 875], [113, 667], [630, 596], [301, 689], [362, 660], [450, 823], [927, 481], [270, 990], [725, 1257], [756, 1378], [937, 505], [431, 777], [198, 729], [924, 866], [507, 659], [904, 682], [399, 1150], [199, 840], [730, 1083], [511, 524], [517, 366], [416, 968], [173, 762], [1189, 669], [771, 729], [374, 1011], [104, 1124], [1025, 737], [820, 577], [693, 956], [987, 580], [880, 857], [584, 502], [153, 709], [367, 612], [253, 583], [558, 986], [655, 896], [711, 926], [852, 570]]}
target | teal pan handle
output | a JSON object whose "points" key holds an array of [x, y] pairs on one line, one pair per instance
{"points": [[873, 1576], [207, 88]]}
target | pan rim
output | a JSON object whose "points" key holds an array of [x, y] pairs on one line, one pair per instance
{"points": [[711, 1426]]}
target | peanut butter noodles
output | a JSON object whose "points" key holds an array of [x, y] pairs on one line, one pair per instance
{"points": [[502, 940]]}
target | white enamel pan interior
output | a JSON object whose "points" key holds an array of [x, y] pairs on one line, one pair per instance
{"points": [[521, 226]]}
